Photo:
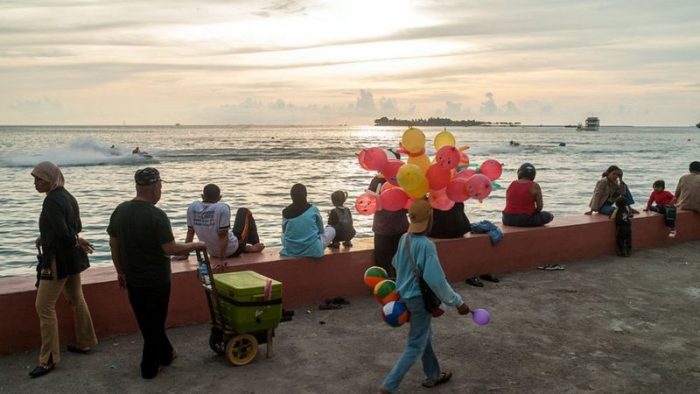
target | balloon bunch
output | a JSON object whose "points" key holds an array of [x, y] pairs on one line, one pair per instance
{"points": [[394, 312], [443, 180]]}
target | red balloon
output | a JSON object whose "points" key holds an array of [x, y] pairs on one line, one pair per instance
{"points": [[464, 159], [466, 173], [491, 168], [438, 199], [366, 203], [457, 190], [438, 178], [479, 187], [447, 157], [394, 199], [390, 169], [372, 158]]}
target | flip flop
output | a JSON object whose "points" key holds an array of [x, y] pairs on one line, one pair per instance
{"points": [[75, 349], [444, 378]]}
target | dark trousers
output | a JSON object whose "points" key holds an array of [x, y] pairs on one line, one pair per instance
{"points": [[623, 239], [150, 305], [385, 247], [245, 229], [524, 220], [669, 214]]}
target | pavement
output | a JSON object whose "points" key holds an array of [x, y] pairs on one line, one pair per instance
{"points": [[609, 325]]}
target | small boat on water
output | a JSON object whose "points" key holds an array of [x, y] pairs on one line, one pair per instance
{"points": [[592, 124]]}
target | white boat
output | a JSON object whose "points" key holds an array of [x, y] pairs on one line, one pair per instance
{"points": [[592, 124]]}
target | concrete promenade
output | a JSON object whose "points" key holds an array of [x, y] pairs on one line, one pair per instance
{"points": [[608, 325]]}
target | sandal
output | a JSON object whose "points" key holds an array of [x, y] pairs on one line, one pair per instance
{"points": [[444, 378], [41, 370]]}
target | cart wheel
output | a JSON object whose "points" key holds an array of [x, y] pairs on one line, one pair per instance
{"points": [[241, 349], [216, 341]]}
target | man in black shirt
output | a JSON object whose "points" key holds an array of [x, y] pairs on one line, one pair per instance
{"points": [[141, 241]]}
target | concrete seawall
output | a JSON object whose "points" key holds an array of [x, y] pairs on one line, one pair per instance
{"points": [[338, 273]]}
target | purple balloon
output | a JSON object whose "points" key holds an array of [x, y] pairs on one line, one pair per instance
{"points": [[481, 317]]}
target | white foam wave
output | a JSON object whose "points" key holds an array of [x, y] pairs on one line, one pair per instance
{"points": [[82, 151]]}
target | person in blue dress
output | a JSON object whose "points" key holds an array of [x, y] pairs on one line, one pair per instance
{"points": [[303, 234]]}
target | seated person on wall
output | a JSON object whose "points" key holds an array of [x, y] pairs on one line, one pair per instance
{"points": [[303, 234], [388, 227], [688, 189], [524, 201], [606, 191], [210, 219], [454, 223]]}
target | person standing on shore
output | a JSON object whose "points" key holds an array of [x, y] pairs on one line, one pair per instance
{"points": [[388, 227], [416, 246], [141, 240], [62, 257]]}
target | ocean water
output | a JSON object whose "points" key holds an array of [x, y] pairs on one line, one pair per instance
{"points": [[256, 165]]}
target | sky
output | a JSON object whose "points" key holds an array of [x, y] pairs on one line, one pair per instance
{"points": [[634, 62]]}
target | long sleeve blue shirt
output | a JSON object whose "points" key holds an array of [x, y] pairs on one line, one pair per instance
{"points": [[426, 259]]}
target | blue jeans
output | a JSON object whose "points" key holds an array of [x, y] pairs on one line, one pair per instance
{"points": [[609, 207], [419, 344]]}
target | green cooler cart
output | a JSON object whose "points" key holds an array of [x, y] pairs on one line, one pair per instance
{"points": [[245, 309]]}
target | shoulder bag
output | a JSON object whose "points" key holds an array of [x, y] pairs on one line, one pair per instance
{"points": [[430, 299]]}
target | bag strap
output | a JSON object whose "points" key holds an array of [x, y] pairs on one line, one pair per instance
{"points": [[416, 272]]}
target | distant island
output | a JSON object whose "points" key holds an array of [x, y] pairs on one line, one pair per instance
{"points": [[384, 121]]}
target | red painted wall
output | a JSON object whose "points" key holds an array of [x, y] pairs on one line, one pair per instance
{"points": [[338, 273]]}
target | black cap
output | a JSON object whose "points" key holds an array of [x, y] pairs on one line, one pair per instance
{"points": [[147, 176], [527, 170]]}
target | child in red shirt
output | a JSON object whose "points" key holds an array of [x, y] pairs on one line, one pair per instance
{"points": [[664, 205]]}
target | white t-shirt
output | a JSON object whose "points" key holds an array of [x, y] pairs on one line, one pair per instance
{"points": [[207, 219]]}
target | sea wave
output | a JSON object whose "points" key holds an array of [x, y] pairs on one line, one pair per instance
{"points": [[83, 151]]}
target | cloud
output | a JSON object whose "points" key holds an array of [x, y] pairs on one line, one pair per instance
{"points": [[41, 106], [488, 106]]}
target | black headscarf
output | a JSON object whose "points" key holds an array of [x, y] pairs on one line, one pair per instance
{"points": [[299, 204]]}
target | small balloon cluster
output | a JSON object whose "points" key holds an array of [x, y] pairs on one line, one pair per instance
{"points": [[394, 312], [443, 180]]}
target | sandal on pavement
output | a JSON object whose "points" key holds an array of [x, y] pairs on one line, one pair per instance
{"points": [[75, 349], [41, 370], [444, 378], [475, 281], [489, 278]]}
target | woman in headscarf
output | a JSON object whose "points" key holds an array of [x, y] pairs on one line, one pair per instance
{"points": [[62, 257], [606, 191], [303, 234]]}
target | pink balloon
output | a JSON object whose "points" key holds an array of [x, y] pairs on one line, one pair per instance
{"points": [[366, 203], [390, 169], [466, 173], [438, 178], [372, 158], [438, 199], [491, 168], [393, 199], [457, 190], [479, 187], [447, 157]]}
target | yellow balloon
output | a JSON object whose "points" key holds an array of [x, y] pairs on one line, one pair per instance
{"points": [[410, 176], [413, 140], [420, 190], [444, 138], [422, 161]]}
